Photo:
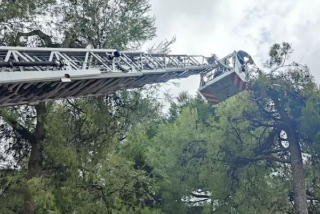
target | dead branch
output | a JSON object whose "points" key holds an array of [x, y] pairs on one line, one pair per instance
{"points": [[162, 47]]}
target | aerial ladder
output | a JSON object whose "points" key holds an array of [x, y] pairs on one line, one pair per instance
{"points": [[32, 75]]}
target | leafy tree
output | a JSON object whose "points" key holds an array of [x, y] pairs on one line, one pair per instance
{"points": [[177, 153], [267, 129], [287, 88], [90, 138], [84, 169], [185, 100], [255, 140], [117, 154], [204, 171], [266, 133], [28, 129], [101, 24]]}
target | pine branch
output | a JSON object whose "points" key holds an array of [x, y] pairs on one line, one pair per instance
{"points": [[312, 197], [284, 115], [268, 143], [70, 40], [200, 196], [275, 151], [44, 37], [267, 113], [275, 159], [245, 161], [22, 131]]}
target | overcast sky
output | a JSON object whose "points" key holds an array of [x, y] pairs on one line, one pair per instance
{"points": [[222, 26]]}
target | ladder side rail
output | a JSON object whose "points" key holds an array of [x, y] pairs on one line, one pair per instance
{"points": [[64, 51], [48, 49], [79, 59]]}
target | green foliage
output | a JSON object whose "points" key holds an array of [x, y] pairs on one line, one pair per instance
{"points": [[85, 160], [22, 10], [83, 168], [127, 25], [204, 110], [119, 154], [279, 54], [178, 154], [102, 24], [12, 185], [235, 151]]}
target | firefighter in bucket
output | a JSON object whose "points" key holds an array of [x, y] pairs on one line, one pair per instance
{"points": [[241, 55]]}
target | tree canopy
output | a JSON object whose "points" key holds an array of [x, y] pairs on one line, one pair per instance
{"points": [[257, 152]]}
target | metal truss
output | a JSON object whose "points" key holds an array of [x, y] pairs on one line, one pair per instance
{"points": [[31, 75], [228, 63], [44, 59]]}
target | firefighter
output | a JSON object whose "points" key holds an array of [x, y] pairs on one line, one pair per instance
{"points": [[241, 55], [212, 59]]}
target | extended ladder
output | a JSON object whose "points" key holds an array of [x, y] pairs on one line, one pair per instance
{"points": [[30, 75]]}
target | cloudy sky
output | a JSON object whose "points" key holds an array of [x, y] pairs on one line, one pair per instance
{"points": [[222, 26]]}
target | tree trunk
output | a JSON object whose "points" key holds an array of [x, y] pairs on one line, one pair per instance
{"points": [[299, 187], [300, 196], [35, 163]]}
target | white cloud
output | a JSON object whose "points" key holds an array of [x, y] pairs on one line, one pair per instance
{"points": [[220, 27]]}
